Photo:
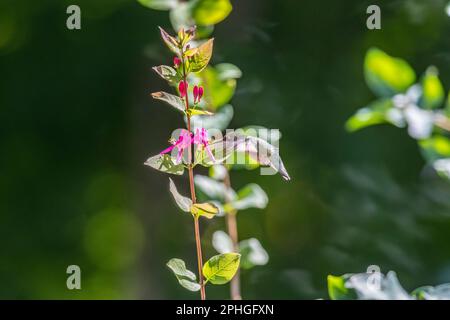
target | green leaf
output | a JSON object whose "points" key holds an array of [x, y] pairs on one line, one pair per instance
{"points": [[252, 253], [185, 277], [171, 99], [171, 42], [168, 73], [218, 172], [219, 120], [435, 148], [199, 112], [226, 71], [220, 89], [337, 289], [221, 268], [447, 106], [374, 113], [222, 242], [250, 196], [208, 12], [387, 75], [433, 91], [183, 203], [159, 4], [165, 163], [201, 58], [208, 210]]}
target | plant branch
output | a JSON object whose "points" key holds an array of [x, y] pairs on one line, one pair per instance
{"points": [[235, 285], [198, 243]]}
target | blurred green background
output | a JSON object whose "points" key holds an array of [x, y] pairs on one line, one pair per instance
{"points": [[78, 123]]}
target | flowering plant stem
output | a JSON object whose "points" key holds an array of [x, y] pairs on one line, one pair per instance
{"points": [[235, 285], [198, 243]]}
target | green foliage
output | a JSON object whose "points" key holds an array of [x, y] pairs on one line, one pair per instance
{"points": [[435, 147], [433, 91], [209, 12], [202, 54], [159, 4], [221, 268], [170, 99], [185, 277], [183, 203], [221, 89], [170, 41], [207, 210], [387, 75], [219, 120], [374, 113], [165, 163], [168, 73], [337, 289]]}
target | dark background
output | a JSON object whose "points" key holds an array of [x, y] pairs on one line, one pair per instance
{"points": [[77, 124]]}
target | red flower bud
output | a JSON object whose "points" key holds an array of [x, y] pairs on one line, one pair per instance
{"points": [[195, 92], [176, 62], [182, 87], [200, 93]]}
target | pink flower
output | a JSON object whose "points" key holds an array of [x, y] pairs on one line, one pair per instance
{"points": [[201, 137], [176, 62], [198, 93], [184, 141], [182, 87]]}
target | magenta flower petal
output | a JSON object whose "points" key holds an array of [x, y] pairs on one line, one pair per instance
{"points": [[167, 150]]}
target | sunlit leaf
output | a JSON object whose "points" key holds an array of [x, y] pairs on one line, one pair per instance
{"points": [[208, 12], [167, 73], [165, 163], [181, 17], [221, 268], [433, 91], [199, 112], [387, 75], [435, 148], [440, 292], [442, 167], [218, 172], [183, 203], [207, 210], [250, 196], [337, 289], [252, 253], [375, 113], [171, 99], [202, 56], [222, 242], [159, 4], [186, 278], [220, 91], [171, 42]]}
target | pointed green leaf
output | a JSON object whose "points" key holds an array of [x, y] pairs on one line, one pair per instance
{"points": [[199, 112], [375, 113], [168, 73], [221, 268], [159, 4], [209, 12], [387, 75], [201, 58], [185, 277], [433, 91], [171, 99], [337, 289], [183, 203], [165, 163], [208, 210], [171, 42], [252, 253]]}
